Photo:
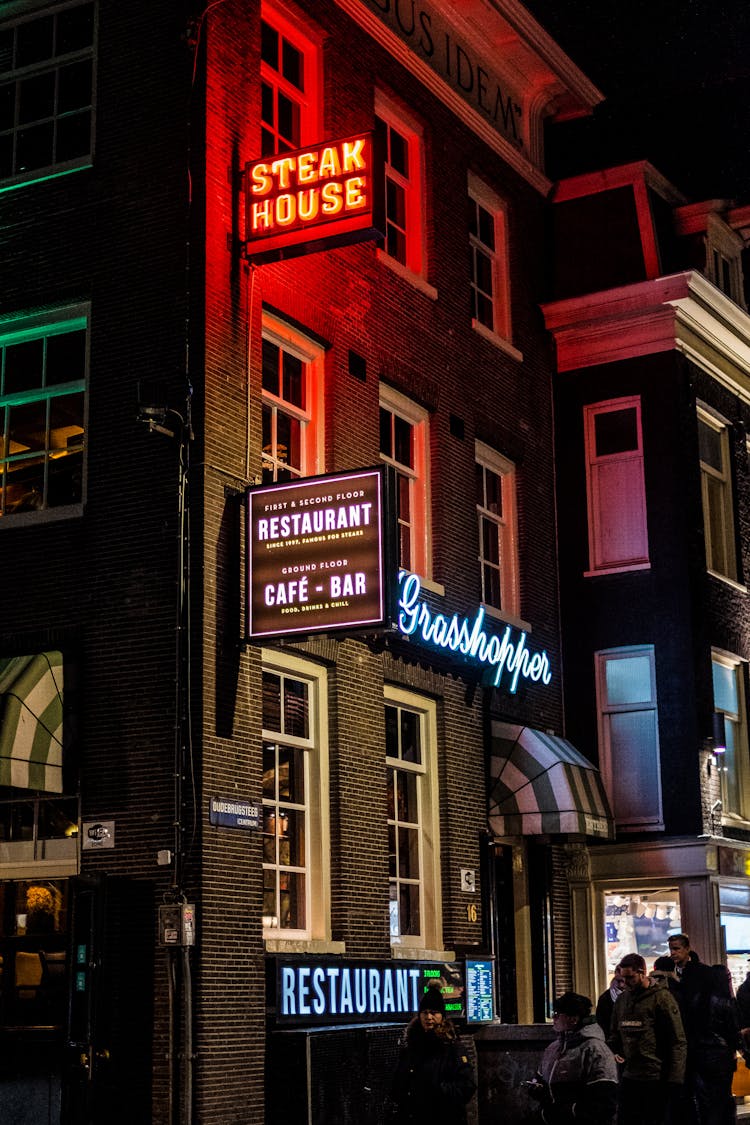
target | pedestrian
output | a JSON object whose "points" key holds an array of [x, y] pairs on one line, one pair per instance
{"points": [[576, 1083], [648, 1038], [693, 995], [434, 1080], [664, 973], [716, 1054], [743, 1006], [606, 1001]]}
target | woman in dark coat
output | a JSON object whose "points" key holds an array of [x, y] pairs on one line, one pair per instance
{"points": [[434, 1080], [715, 1057]]}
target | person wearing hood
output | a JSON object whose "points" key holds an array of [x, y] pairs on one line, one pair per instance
{"points": [[434, 1080], [576, 1083]]}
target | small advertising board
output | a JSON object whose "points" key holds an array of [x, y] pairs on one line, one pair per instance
{"points": [[320, 555], [480, 990]]}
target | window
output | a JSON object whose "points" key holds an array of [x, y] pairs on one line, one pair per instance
{"points": [[403, 444], [33, 942], [402, 145], [43, 366], [729, 701], [295, 783], [616, 491], [724, 259], [289, 83], [496, 513], [490, 305], [716, 495], [414, 907], [292, 402], [629, 735], [47, 93]]}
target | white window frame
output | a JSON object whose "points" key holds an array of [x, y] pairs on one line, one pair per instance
{"points": [[309, 98], [317, 789], [414, 268], [739, 787], [311, 419], [598, 562], [419, 476], [431, 915], [52, 64], [612, 771], [507, 532], [725, 515], [482, 196], [18, 329]]}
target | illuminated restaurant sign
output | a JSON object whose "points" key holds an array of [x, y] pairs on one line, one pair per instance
{"points": [[337, 991], [325, 195], [507, 655], [318, 555]]}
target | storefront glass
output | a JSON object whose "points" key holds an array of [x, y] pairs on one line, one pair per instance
{"points": [[735, 923], [639, 922]]}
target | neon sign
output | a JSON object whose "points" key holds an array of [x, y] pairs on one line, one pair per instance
{"points": [[460, 635], [314, 198]]}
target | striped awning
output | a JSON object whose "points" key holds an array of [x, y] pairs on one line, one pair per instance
{"points": [[31, 721], [540, 785]]}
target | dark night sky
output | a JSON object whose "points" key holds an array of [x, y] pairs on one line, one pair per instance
{"points": [[676, 76]]}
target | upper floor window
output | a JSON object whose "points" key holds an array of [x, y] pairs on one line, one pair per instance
{"points": [[496, 513], [404, 445], [413, 861], [615, 485], [716, 495], [629, 735], [289, 85], [47, 93], [489, 259], [404, 215], [729, 701], [296, 881], [724, 259], [43, 370], [292, 401]]}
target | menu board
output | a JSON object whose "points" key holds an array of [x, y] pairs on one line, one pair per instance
{"points": [[480, 993]]}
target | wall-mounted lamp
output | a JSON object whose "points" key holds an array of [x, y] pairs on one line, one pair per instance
{"points": [[719, 733]]}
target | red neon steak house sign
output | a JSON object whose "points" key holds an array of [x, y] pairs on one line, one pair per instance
{"points": [[312, 199]]}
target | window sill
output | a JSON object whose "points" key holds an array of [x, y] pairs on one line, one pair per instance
{"points": [[52, 515], [499, 341], [604, 571], [41, 175], [304, 945], [414, 279], [735, 585], [431, 586], [506, 618], [412, 953]]}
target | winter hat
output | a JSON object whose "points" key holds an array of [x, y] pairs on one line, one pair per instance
{"points": [[432, 1001], [572, 1004]]}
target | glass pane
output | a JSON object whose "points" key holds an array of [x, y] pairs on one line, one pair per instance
{"points": [[710, 445], [288, 440], [404, 546], [75, 29], [628, 680], [293, 383], [411, 750], [296, 717], [408, 853], [407, 807], [73, 136], [34, 147], [486, 228], [490, 541], [291, 829], [270, 836], [396, 244], [74, 87], [270, 917], [391, 731], [24, 489], [403, 498], [391, 851], [725, 688], [57, 819], [399, 154], [409, 911], [292, 64], [616, 431], [269, 770], [403, 440], [494, 502], [386, 439], [40, 908], [7, 105], [267, 115], [291, 775], [292, 900], [269, 45], [28, 426], [396, 204], [65, 479], [483, 274], [6, 156], [34, 43], [271, 701], [66, 358], [288, 119], [36, 98], [24, 365], [491, 587], [635, 765], [718, 544], [270, 367], [7, 38]]}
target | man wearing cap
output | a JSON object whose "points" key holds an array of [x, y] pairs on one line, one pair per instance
{"points": [[648, 1037], [434, 1080], [577, 1078]]}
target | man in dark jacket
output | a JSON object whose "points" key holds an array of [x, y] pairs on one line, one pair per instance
{"points": [[577, 1078], [606, 1002], [434, 1080], [648, 1037], [693, 994]]}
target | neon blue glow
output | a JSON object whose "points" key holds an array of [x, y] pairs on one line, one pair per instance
{"points": [[458, 634]]}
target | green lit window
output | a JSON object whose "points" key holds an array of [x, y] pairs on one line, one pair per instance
{"points": [[46, 92], [42, 416]]}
